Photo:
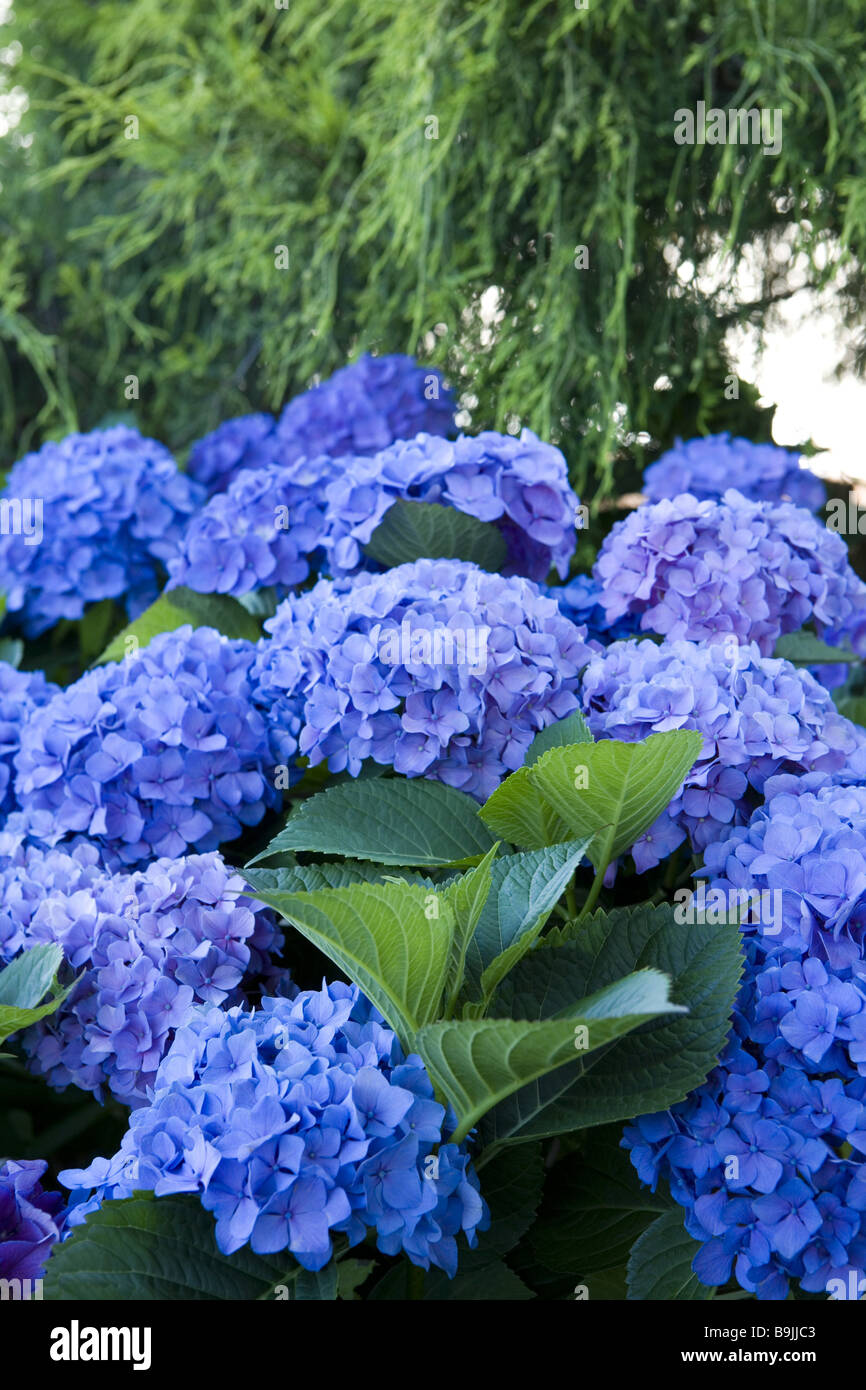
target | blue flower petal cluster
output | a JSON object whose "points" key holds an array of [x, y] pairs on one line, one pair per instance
{"points": [[758, 716], [144, 948], [707, 467], [152, 755], [580, 600], [246, 442], [112, 507], [361, 409], [30, 1219], [520, 485], [701, 569], [21, 692], [768, 1157], [260, 532], [434, 668], [294, 1123]]}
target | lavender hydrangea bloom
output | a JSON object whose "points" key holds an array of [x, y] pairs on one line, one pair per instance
{"points": [[21, 692], [521, 485], [768, 1157], [700, 570], [434, 668], [293, 1123], [152, 755], [144, 948], [113, 509], [30, 1219], [260, 532], [707, 467], [363, 408], [246, 442], [757, 716]]}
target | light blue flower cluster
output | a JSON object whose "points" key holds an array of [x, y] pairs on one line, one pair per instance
{"points": [[111, 508], [707, 467], [520, 485], [435, 668], [700, 570], [152, 755], [757, 716], [144, 948], [361, 409], [294, 1123], [580, 600], [261, 532], [21, 692], [30, 1219], [768, 1157]]}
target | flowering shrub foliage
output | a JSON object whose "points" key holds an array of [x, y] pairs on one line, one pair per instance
{"points": [[297, 1122], [361, 409], [756, 716], [30, 1219], [787, 1099], [112, 509], [144, 948], [482, 775], [152, 755], [708, 467], [434, 668], [697, 569]]}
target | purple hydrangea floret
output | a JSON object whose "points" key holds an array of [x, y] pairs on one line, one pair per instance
{"points": [[143, 949], [708, 466], [157, 754], [757, 715], [31, 1220], [435, 668], [704, 569]]}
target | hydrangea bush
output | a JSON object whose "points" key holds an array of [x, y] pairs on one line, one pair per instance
{"points": [[323, 882]]}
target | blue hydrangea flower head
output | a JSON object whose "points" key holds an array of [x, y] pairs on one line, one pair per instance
{"points": [[703, 569], [293, 1123], [21, 692], [435, 668], [520, 485], [364, 407], [260, 532], [708, 466], [768, 1157], [153, 755], [144, 948], [758, 716], [111, 507], [580, 600], [248, 441], [31, 1219]]}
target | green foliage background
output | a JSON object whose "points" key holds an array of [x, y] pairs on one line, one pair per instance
{"points": [[305, 127]]}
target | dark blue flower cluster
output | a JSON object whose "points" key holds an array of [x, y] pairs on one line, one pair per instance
{"points": [[361, 409], [260, 532], [293, 1123], [757, 716], [21, 692], [435, 668], [151, 755], [144, 948], [521, 485], [707, 467], [580, 600], [767, 1157], [700, 570], [30, 1220], [101, 514]]}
